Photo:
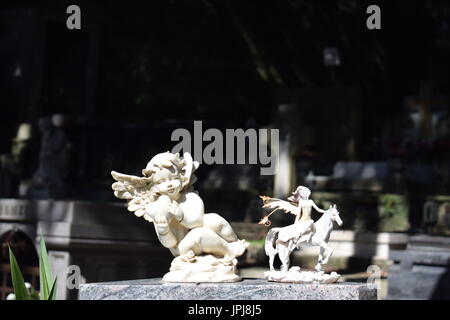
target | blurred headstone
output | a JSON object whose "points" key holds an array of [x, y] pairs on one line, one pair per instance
{"points": [[422, 271], [360, 176], [436, 215]]}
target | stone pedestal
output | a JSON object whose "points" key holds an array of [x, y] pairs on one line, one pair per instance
{"points": [[248, 289]]}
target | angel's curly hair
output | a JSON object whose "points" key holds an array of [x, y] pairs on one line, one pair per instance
{"points": [[163, 160], [185, 166]]}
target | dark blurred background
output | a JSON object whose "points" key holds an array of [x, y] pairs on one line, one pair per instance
{"points": [[363, 114]]}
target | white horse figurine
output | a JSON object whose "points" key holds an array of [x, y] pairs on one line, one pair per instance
{"points": [[319, 237]]}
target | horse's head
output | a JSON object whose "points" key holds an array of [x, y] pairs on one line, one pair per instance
{"points": [[334, 215]]}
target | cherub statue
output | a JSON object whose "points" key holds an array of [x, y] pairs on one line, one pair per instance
{"points": [[304, 232], [166, 197]]}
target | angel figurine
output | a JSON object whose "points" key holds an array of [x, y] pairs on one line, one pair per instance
{"points": [[304, 232], [204, 245]]}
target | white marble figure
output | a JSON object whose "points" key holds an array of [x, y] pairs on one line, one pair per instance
{"points": [[204, 245], [304, 232]]}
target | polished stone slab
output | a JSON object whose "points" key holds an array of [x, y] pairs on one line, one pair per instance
{"points": [[248, 289]]}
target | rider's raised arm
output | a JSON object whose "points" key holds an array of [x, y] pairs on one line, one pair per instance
{"points": [[316, 207]]}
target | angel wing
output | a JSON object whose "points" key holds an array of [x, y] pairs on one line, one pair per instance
{"points": [[279, 205], [276, 204], [133, 189]]}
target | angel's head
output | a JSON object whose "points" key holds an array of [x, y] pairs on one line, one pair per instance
{"points": [[301, 193], [170, 173]]}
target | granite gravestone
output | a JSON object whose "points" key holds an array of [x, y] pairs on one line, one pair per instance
{"points": [[248, 289]]}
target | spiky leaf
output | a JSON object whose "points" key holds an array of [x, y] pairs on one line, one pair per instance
{"points": [[52, 293], [45, 272], [20, 290]]}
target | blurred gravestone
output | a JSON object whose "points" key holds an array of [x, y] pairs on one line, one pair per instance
{"points": [[369, 176], [422, 271]]}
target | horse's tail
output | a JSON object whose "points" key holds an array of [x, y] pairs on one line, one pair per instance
{"points": [[271, 237]]}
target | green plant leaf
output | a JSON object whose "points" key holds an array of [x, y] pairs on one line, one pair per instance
{"points": [[20, 290], [52, 293], [45, 273]]}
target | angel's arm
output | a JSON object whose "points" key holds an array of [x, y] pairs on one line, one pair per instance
{"points": [[316, 207], [175, 210], [192, 209]]}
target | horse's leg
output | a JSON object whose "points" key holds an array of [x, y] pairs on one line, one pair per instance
{"points": [[271, 258], [327, 248], [321, 255], [318, 266], [324, 248], [283, 254]]}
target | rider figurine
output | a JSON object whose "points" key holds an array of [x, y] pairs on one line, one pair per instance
{"points": [[304, 232], [300, 197], [300, 205]]}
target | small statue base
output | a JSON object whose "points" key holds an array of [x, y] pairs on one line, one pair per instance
{"points": [[207, 268], [294, 275]]}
